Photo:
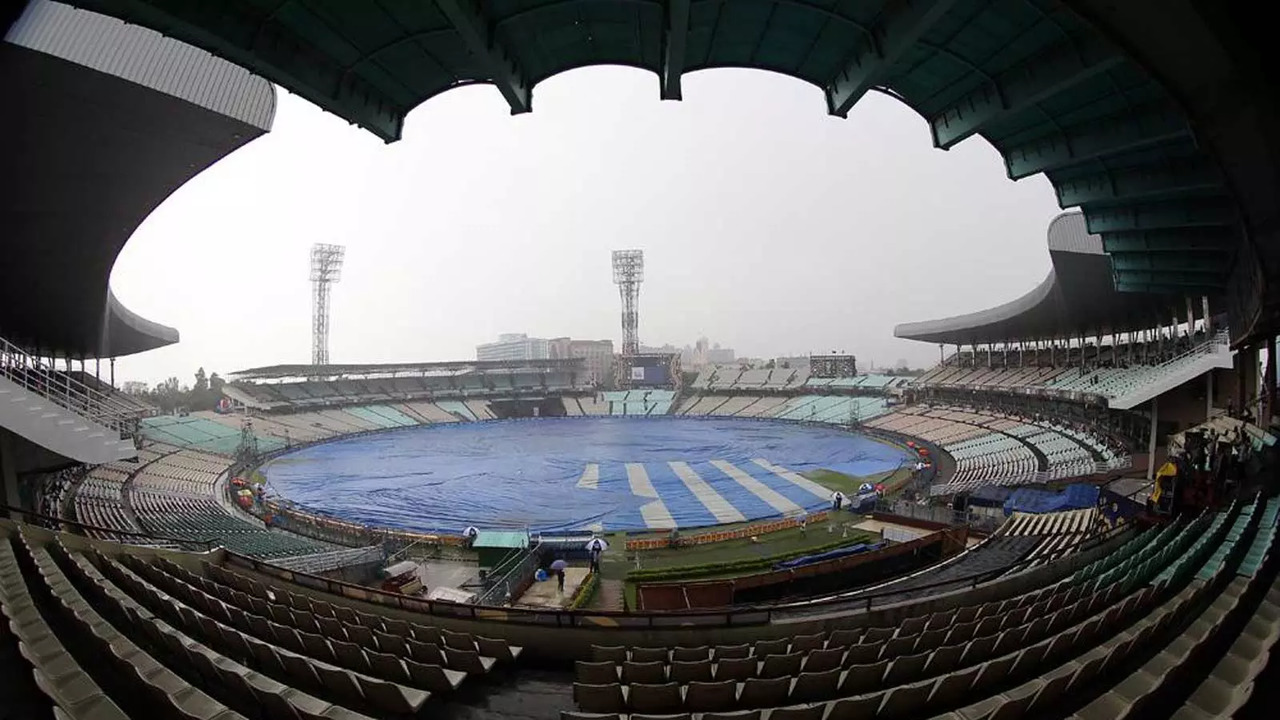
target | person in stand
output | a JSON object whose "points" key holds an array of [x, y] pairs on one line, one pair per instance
{"points": [[560, 579]]}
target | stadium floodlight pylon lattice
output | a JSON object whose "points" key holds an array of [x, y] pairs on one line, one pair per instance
{"points": [[628, 273], [326, 269]]}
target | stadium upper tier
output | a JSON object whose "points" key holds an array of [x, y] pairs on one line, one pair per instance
{"points": [[294, 386], [737, 379], [1123, 375], [105, 121], [1120, 107]]}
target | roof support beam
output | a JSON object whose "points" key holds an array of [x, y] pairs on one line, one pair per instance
{"points": [[1172, 283], [475, 29], [674, 41], [1144, 127], [1172, 240], [1212, 262], [1021, 87], [1200, 212], [900, 26], [1172, 178]]}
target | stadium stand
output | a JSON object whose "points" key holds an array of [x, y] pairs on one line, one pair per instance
{"points": [[639, 402], [1118, 374], [178, 496]]}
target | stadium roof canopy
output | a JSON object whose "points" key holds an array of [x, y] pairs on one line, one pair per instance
{"points": [[1154, 116], [1076, 299], [102, 122], [282, 372]]}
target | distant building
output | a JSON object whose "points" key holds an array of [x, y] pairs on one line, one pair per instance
{"points": [[134, 387], [717, 355], [597, 354], [514, 346]]}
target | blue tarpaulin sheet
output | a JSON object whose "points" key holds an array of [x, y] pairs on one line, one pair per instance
{"points": [[829, 555], [559, 474], [1074, 497]]}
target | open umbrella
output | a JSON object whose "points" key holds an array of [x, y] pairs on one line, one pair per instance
{"points": [[559, 565], [597, 544]]}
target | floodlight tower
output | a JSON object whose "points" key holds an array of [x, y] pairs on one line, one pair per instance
{"points": [[628, 273], [326, 269]]}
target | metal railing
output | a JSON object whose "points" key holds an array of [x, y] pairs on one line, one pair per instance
{"points": [[1211, 345], [127, 537], [513, 576], [31, 373], [332, 560], [735, 616]]}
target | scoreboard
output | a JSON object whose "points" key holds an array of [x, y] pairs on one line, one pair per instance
{"points": [[648, 370], [835, 365]]}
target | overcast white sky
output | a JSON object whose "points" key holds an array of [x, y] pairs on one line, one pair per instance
{"points": [[767, 226]]}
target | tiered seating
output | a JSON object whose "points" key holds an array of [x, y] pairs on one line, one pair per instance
{"points": [[480, 409], [1178, 620], [639, 402], [705, 405], [992, 457], [429, 412], [1074, 376], [1025, 656], [99, 500], [176, 497], [1057, 531], [199, 432], [458, 409], [994, 449], [593, 405], [764, 407], [752, 379]]}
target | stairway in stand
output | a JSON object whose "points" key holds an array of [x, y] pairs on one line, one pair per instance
{"points": [[608, 596]]}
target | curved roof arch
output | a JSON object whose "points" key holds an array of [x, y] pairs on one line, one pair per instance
{"points": [[1076, 298], [114, 119], [1046, 87]]}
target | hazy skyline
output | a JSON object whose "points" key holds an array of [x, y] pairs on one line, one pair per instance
{"points": [[767, 225]]}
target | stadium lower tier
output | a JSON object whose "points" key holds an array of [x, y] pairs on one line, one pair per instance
{"points": [[174, 489], [1178, 620]]}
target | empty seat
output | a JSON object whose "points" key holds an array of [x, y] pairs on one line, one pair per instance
{"points": [[643, 672], [596, 673], [815, 686], [654, 698], [645, 655], [686, 672], [711, 696], [736, 669], [600, 698], [764, 693]]}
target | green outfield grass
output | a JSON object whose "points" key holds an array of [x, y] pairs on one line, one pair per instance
{"points": [[793, 542]]}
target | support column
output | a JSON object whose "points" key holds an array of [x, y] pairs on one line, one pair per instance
{"points": [[1208, 394], [1191, 319], [8, 473], [1246, 376], [1269, 386], [942, 356], [1151, 441], [1208, 323]]}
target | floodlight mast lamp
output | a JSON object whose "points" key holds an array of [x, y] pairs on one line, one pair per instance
{"points": [[628, 273], [326, 269]]}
